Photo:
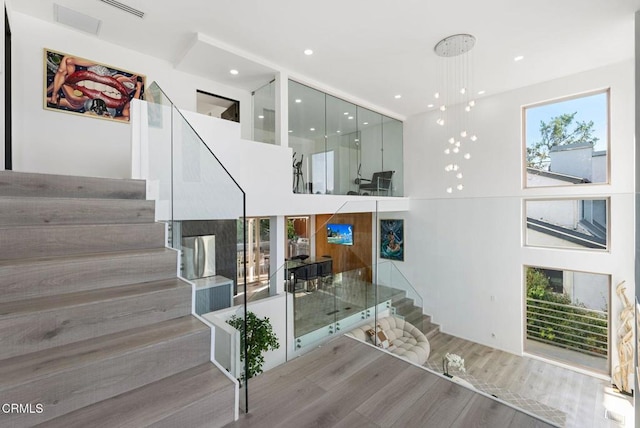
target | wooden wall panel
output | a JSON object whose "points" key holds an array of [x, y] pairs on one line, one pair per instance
{"points": [[347, 257]]}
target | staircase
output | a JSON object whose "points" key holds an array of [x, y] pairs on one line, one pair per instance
{"points": [[95, 327], [405, 307]]}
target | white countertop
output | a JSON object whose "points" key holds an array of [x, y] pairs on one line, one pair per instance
{"points": [[211, 281]]}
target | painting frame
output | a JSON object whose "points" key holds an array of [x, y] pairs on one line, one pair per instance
{"points": [[81, 86], [392, 239]]}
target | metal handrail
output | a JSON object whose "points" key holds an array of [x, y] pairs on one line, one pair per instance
{"points": [[547, 302], [569, 333], [574, 321]]}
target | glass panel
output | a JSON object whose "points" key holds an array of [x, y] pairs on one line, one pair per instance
{"points": [[567, 316], [567, 223], [567, 141], [257, 266], [189, 182], [264, 114], [298, 236], [332, 283], [338, 146], [342, 148], [392, 155], [370, 125], [306, 134]]}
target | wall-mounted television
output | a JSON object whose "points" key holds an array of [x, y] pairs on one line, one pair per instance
{"points": [[341, 234]]}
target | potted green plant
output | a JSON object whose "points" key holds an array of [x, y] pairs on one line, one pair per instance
{"points": [[260, 338]]}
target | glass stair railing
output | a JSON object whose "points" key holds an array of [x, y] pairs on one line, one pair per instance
{"points": [[200, 202], [343, 284]]}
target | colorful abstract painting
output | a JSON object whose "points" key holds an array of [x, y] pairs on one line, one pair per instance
{"points": [[81, 86], [392, 239]]}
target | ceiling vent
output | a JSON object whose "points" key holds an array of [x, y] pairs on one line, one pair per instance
{"points": [[75, 19], [124, 7]]}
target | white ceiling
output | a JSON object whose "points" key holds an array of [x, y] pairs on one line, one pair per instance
{"points": [[369, 49]]}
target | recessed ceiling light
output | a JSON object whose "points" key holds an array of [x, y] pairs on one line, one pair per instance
{"points": [[290, 131], [430, 105], [350, 117], [233, 71], [346, 113], [518, 58], [356, 140], [481, 92], [398, 96], [308, 52], [338, 131], [298, 100], [312, 129], [261, 117], [365, 123]]}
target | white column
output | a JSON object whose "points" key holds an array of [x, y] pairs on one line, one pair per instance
{"points": [[282, 109], [277, 241]]}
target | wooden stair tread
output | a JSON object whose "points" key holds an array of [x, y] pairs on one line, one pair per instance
{"points": [[29, 278], [17, 211], [58, 240], [13, 183], [69, 300], [33, 325], [152, 403], [41, 364], [124, 254]]}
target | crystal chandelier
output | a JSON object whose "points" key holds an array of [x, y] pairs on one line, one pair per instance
{"points": [[455, 103]]}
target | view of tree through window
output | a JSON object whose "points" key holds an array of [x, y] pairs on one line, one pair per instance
{"points": [[567, 141]]}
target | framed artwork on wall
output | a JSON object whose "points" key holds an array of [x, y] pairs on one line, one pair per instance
{"points": [[82, 86], [392, 239]]}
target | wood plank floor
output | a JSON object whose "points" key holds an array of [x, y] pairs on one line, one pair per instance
{"points": [[346, 383], [580, 396]]}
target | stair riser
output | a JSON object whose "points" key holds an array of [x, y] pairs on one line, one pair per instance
{"points": [[46, 241], [30, 211], [432, 331], [47, 329], [56, 276], [414, 314], [201, 395], [70, 390], [59, 186], [402, 303], [213, 411]]}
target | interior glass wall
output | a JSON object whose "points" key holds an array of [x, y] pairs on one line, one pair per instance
{"points": [[341, 148], [264, 113]]}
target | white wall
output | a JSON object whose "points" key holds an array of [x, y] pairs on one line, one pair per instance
{"points": [[69, 144], [464, 251], [576, 162], [275, 309], [563, 212]]}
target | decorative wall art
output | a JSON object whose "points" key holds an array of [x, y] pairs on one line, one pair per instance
{"points": [[392, 239], [81, 86]]}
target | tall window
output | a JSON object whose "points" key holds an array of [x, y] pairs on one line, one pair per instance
{"points": [[567, 141], [567, 316]]}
